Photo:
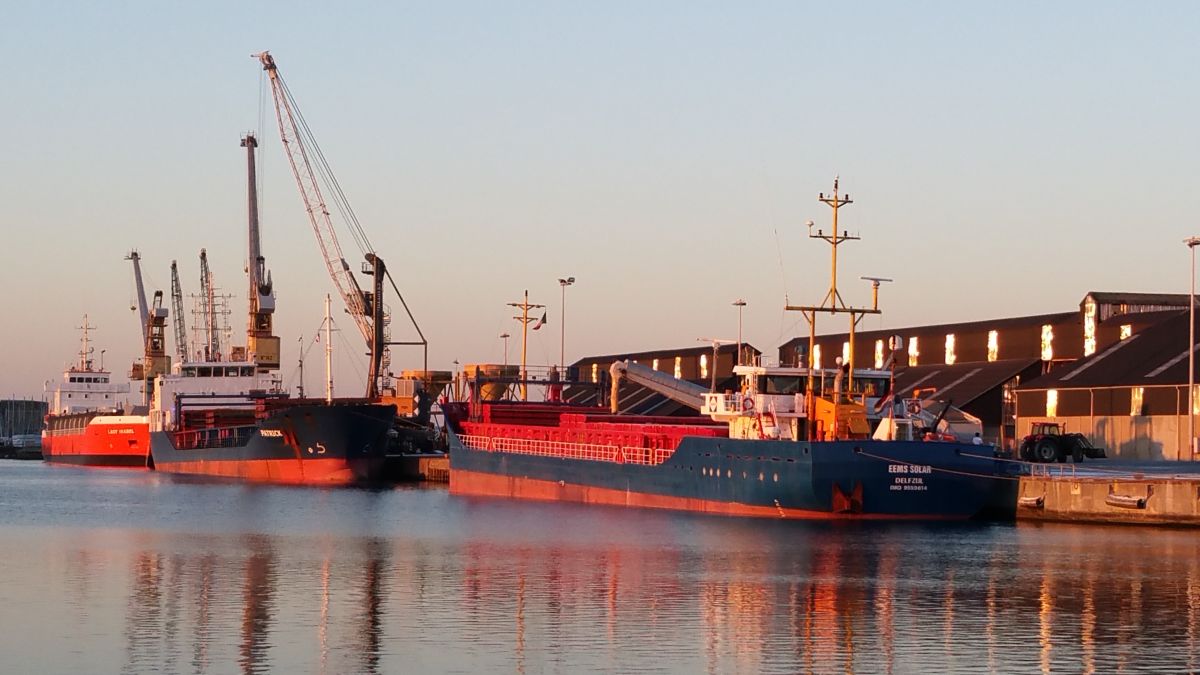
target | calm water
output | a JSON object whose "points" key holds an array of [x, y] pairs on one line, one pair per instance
{"points": [[117, 571]]}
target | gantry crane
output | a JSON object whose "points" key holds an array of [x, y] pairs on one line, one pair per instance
{"points": [[365, 307]]}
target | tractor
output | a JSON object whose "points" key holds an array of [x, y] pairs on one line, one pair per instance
{"points": [[1048, 442]]}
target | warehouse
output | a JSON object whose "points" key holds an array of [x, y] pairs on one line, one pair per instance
{"points": [[1129, 397], [980, 364]]}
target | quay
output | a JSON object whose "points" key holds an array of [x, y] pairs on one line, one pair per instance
{"points": [[1157, 493], [423, 467]]}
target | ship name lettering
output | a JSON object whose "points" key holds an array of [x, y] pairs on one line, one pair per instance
{"points": [[271, 433]]}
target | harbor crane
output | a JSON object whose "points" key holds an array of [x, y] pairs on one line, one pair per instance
{"points": [[261, 342], [311, 170], [208, 303], [182, 350], [153, 317]]}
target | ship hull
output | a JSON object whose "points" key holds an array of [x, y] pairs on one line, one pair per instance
{"points": [[89, 439], [298, 445], [777, 479]]}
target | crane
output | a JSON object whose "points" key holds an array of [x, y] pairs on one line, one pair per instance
{"points": [[153, 317], [262, 344], [143, 312], [208, 301], [182, 350], [365, 307]]}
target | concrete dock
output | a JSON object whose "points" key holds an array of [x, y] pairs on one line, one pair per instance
{"points": [[1157, 493]]}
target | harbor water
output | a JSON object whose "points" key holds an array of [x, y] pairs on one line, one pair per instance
{"points": [[125, 571]]}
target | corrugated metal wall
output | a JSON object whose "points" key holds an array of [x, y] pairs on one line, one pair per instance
{"points": [[21, 417]]}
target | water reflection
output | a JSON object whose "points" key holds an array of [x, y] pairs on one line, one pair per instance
{"points": [[498, 587], [842, 602], [258, 590]]}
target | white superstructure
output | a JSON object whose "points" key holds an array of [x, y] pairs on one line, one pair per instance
{"points": [[85, 387]]}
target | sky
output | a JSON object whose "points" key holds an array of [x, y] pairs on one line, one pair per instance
{"points": [[1004, 159]]}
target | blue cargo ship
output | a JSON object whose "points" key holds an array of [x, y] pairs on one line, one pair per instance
{"points": [[790, 442]]}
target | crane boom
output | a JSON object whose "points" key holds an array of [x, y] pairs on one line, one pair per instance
{"points": [[314, 204], [181, 340], [143, 310], [208, 300]]}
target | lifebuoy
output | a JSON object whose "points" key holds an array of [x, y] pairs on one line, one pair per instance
{"points": [[914, 408], [747, 403]]}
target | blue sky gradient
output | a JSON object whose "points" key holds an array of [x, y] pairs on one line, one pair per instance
{"points": [[1005, 159]]}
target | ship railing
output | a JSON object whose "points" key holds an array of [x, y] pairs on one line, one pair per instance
{"points": [[1051, 470], [206, 439], [616, 454]]}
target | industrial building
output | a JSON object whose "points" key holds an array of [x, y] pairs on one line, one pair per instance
{"points": [[21, 424], [980, 365], [1114, 369], [1129, 397]]}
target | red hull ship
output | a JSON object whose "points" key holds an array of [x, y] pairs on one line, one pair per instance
{"points": [[87, 424], [97, 439]]}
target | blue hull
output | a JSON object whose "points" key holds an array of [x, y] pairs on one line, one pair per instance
{"points": [[859, 478]]}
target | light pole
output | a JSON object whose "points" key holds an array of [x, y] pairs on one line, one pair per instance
{"points": [[505, 336], [562, 323], [739, 303], [1191, 244]]}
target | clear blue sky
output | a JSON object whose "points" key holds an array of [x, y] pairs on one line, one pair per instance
{"points": [[1005, 159]]}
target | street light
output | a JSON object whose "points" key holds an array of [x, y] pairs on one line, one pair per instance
{"points": [[739, 303], [1191, 244], [562, 323], [505, 336]]}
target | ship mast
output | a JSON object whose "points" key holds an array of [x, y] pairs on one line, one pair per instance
{"points": [[832, 303], [328, 353], [85, 350], [524, 319]]}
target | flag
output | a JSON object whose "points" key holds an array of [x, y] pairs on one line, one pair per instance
{"points": [[540, 322]]}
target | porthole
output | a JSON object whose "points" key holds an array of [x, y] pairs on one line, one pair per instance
{"points": [[775, 477]]}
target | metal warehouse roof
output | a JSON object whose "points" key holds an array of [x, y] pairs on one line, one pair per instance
{"points": [[659, 353], [961, 382], [961, 327], [1156, 356]]}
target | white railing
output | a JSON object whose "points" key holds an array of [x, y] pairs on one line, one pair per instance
{"points": [[598, 453]]}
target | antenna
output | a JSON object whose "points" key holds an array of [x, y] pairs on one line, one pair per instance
{"points": [[716, 345], [875, 281]]}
